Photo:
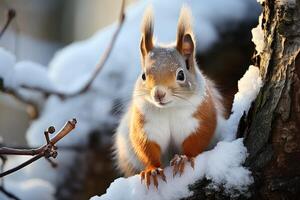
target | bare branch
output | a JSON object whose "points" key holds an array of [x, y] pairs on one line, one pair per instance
{"points": [[2, 188], [97, 69], [77, 148], [24, 152], [47, 151], [10, 15], [33, 113], [24, 164], [8, 194], [106, 54]]}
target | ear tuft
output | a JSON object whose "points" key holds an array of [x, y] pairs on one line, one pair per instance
{"points": [[185, 42], [147, 32]]}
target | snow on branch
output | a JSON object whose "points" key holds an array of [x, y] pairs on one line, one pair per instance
{"points": [[50, 89]]}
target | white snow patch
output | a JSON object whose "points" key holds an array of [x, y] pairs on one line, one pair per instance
{"points": [[258, 36], [222, 165], [27, 73], [248, 88], [261, 1]]}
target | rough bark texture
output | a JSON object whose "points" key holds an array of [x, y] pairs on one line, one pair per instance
{"points": [[272, 127], [272, 132]]}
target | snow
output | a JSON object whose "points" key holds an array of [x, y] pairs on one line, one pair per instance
{"points": [[248, 88], [258, 36], [72, 66], [27, 73], [222, 165], [261, 1]]}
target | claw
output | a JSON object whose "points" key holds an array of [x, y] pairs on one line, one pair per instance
{"points": [[174, 160], [178, 163], [162, 174], [176, 168], [192, 161], [155, 182], [148, 180], [142, 174], [181, 167], [147, 174]]}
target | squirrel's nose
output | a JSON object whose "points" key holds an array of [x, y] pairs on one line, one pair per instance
{"points": [[159, 95]]}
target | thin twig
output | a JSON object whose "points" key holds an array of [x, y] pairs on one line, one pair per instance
{"points": [[68, 127], [48, 150], [10, 15], [97, 69], [106, 54], [3, 159], [2, 187], [77, 148], [19, 97], [24, 152], [8, 194], [24, 164]]}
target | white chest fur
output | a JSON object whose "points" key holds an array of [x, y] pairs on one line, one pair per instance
{"points": [[172, 125]]}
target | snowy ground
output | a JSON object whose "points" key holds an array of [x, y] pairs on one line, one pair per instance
{"points": [[222, 165], [71, 66]]}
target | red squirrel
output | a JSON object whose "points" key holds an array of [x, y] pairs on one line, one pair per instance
{"points": [[175, 109]]}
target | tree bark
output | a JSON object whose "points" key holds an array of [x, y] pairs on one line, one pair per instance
{"points": [[272, 126]]}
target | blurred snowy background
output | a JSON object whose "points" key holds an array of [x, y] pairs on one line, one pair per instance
{"points": [[40, 29], [40, 33]]}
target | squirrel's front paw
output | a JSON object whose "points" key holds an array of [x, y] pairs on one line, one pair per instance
{"points": [[153, 173], [178, 163]]}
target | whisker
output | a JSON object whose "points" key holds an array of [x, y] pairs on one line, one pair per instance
{"points": [[183, 91], [119, 105], [139, 94], [182, 98]]}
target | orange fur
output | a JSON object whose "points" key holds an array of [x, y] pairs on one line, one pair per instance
{"points": [[163, 77], [147, 151], [198, 141]]}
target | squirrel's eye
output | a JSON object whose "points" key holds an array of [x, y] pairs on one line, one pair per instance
{"points": [[144, 76], [180, 76]]}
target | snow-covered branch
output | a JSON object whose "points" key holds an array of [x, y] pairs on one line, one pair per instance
{"points": [[87, 84]]}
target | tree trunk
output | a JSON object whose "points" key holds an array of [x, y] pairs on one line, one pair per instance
{"points": [[272, 134], [272, 127]]}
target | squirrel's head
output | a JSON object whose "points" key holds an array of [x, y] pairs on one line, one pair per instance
{"points": [[168, 74]]}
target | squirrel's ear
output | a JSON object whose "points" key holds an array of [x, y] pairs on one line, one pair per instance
{"points": [[147, 32], [185, 38]]}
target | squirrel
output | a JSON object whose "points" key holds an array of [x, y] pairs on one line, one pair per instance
{"points": [[175, 109]]}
